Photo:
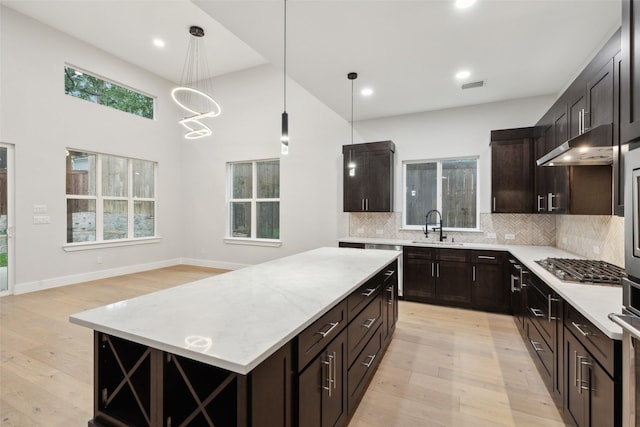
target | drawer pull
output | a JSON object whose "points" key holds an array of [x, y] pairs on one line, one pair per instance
{"points": [[579, 328], [486, 257], [389, 273], [369, 323], [368, 363], [328, 331], [369, 292], [536, 345], [536, 312]]}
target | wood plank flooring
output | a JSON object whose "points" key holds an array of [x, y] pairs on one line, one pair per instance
{"points": [[444, 367]]}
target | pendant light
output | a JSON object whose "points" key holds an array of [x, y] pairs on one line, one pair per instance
{"points": [[194, 96], [352, 164], [284, 138]]}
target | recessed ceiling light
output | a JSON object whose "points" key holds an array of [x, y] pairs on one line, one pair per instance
{"points": [[463, 74], [158, 42], [463, 4], [367, 91]]}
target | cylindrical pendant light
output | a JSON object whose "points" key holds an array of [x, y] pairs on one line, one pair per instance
{"points": [[352, 165], [284, 138]]}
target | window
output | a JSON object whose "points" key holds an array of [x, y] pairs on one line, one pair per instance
{"points": [[450, 186], [109, 197], [254, 199], [91, 88]]}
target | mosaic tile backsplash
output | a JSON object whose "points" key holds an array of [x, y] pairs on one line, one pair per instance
{"points": [[595, 237]]}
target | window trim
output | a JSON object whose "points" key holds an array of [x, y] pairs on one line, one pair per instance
{"points": [[438, 162], [100, 242], [254, 200]]}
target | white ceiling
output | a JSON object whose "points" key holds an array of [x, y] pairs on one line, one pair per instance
{"points": [[406, 51]]}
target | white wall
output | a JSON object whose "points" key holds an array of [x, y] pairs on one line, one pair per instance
{"points": [[41, 121], [455, 132], [249, 129]]}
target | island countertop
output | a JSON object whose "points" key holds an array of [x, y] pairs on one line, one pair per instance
{"points": [[238, 319]]}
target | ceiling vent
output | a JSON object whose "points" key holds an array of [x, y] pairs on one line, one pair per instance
{"points": [[471, 85]]}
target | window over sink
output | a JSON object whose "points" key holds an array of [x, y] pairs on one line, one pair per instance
{"points": [[448, 185]]}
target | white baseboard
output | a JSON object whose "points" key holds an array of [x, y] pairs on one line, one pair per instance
{"points": [[39, 285]]}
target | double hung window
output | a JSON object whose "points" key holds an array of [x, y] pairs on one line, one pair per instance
{"points": [[450, 186], [109, 197], [254, 199]]}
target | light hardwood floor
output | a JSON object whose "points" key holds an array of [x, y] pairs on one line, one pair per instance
{"points": [[444, 367]]}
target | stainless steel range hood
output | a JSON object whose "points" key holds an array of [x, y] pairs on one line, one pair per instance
{"points": [[593, 147]]}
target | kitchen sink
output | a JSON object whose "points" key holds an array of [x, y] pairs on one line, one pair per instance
{"points": [[425, 242]]}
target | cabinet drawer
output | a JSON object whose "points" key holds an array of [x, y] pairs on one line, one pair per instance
{"points": [[361, 297], [538, 346], [597, 343], [458, 255], [487, 257], [362, 328], [359, 374], [417, 253], [539, 301], [313, 339]]}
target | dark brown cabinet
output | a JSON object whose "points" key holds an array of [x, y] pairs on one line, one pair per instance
{"points": [[322, 397], [389, 297], [368, 177], [488, 290], [418, 282], [592, 373], [453, 283], [512, 170], [630, 72]]}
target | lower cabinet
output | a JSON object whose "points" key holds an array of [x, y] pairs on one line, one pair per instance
{"points": [[322, 396], [489, 284]]}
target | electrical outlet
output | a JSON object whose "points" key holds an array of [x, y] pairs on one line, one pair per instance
{"points": [[491, 235], [509, 236], [41, 219], [39, 209], [379, 232]]}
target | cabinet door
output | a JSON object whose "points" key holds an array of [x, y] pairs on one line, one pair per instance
{"points": [[600, 97], [630, 78], [575, 401], [453, 281], [418, 278], [619, 149], [322, 387], [355, 181], [601, 390], [488, 289], [379, 191], [389, 296], [512, 166]]}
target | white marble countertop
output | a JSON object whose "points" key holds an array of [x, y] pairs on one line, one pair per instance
{"points": [[594, 302], [238, 319]]}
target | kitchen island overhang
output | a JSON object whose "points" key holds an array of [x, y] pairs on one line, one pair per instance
{"points": [[237, 322]]}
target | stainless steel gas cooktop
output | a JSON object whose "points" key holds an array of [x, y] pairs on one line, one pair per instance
{"points": [[584, 270]]}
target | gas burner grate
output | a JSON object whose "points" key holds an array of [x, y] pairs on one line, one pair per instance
{"points": [[584, 270]]}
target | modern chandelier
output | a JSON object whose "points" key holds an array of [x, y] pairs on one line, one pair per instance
{"points": [[284, 138], [194, 96]]}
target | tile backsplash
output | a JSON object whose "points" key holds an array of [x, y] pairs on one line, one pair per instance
{"points": [[592, 236]]}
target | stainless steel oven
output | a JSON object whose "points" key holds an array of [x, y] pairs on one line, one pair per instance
{"points": [[630, 319]]}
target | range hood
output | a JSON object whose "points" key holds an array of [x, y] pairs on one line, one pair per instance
{"points": [[593, 147]]}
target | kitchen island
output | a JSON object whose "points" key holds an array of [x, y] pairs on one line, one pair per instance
{"points": [[286, 342]]}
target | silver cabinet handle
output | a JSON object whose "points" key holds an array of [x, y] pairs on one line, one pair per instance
{"points": [[329, 364], [438, 269], [551, 196], [389, 273], [514, 279], [369, 323], [584, 121], [474, 273], [580, 118], [486, 257], [432, 273], [540, 199], [576, 369], [391, 296], [368, 292], [536, 312], [494, 204], [536, 345], [551, 300], [368, 363], [584, 361], [579, 328], [328, 331]]}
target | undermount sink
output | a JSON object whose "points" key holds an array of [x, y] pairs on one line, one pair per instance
{"points": [[425, 242]]}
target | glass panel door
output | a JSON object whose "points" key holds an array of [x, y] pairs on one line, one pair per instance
{"points": [[6, 218]]}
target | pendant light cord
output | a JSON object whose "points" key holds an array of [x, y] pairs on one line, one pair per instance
{"points": [[352, 111], [285, 56]]}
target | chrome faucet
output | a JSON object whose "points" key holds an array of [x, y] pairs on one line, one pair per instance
{"points": [[426, 225]]}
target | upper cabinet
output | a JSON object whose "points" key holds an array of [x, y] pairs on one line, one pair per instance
{"points": [[368, 177], [512, 170], [630, 72]]}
